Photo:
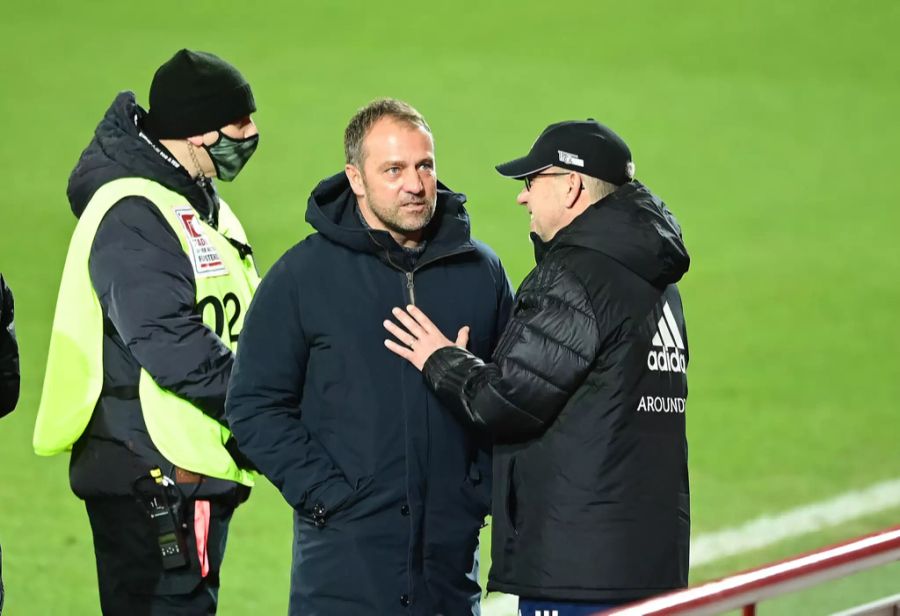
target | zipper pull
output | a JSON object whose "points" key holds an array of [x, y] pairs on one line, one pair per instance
{"points": [[410, 287]]}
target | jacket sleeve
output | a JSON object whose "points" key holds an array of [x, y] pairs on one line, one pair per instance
{"points": [[146, 286], [9, 352], [543, 356], [263, 407]]}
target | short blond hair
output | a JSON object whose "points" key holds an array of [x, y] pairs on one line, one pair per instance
{"points": [[361, 123], [597, 188]]}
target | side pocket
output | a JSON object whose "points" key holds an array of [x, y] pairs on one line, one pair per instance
{"points": [[363, 489]]}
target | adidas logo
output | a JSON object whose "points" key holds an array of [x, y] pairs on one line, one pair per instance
{"points": [[669, 356]]}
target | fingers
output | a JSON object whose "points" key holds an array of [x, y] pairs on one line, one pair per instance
{"points": [[411, 324], [399, 333], [404, 352], [420, 336], [421, 318], [462, 338]]}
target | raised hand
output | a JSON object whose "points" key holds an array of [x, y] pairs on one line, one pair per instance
{"points": [[420, 338]]}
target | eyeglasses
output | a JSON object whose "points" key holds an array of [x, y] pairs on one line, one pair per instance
{"points": [[530, 178]]}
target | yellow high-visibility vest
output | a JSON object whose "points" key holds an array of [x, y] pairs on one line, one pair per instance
{"points": [[74, 378]]}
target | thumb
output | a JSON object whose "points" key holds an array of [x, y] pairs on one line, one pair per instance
{"points": [[462, 338]]}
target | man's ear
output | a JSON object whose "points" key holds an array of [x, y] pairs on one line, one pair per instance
{"points": [[354, 175], [575, 186], [196, 141]]}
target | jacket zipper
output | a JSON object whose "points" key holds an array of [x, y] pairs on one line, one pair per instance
{"points": [[411, 288], [410, 283]]}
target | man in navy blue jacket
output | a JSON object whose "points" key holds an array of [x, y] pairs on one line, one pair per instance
{"points": [[388, 488]]}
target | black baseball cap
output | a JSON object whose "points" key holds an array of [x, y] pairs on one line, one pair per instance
{"points": [[585, 146]]}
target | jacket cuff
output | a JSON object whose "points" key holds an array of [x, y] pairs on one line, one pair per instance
{"points": [[448, 369], [322, 501]]}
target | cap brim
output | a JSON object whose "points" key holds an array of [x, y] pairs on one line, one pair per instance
{"points": [[521, 167]]}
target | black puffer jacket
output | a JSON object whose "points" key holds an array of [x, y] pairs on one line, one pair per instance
{"points": [[147, 291], [9, 352], [585, 397]]}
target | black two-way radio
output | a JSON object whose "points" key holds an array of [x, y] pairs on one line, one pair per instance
{"points": [[163, 500]]}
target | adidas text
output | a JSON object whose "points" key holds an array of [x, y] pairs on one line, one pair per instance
{"points": [[667, 360]]}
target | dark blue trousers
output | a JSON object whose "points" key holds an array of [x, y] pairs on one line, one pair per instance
{"points": [[529, 607]]}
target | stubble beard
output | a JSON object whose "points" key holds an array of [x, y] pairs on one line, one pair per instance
{"points": [[392, 216]]}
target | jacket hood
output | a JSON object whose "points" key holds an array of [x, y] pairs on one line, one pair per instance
{"points": [[633, 227], [119, 150], [332, 211]]}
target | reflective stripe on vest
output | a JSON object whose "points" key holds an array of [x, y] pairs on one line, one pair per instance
{"points": [[74, 378]]}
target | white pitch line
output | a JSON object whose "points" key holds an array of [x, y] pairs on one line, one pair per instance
{"points": [[764, 531], [499, 604], [769, 530]]}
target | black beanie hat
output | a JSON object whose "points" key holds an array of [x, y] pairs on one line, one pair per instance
{"points": [[194, 93]]}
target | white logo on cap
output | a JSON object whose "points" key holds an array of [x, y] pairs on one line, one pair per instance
{"points": [[629, 170], [570, 159]]}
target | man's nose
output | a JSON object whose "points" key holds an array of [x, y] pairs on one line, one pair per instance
{"points": [[412, 182], [522, 197]]}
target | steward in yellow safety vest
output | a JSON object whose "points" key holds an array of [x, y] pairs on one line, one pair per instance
{"points": [[158, 277]]}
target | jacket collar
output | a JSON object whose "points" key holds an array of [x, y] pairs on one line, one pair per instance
{"points": [[332, 211], [120, 149], [631, 226]]}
